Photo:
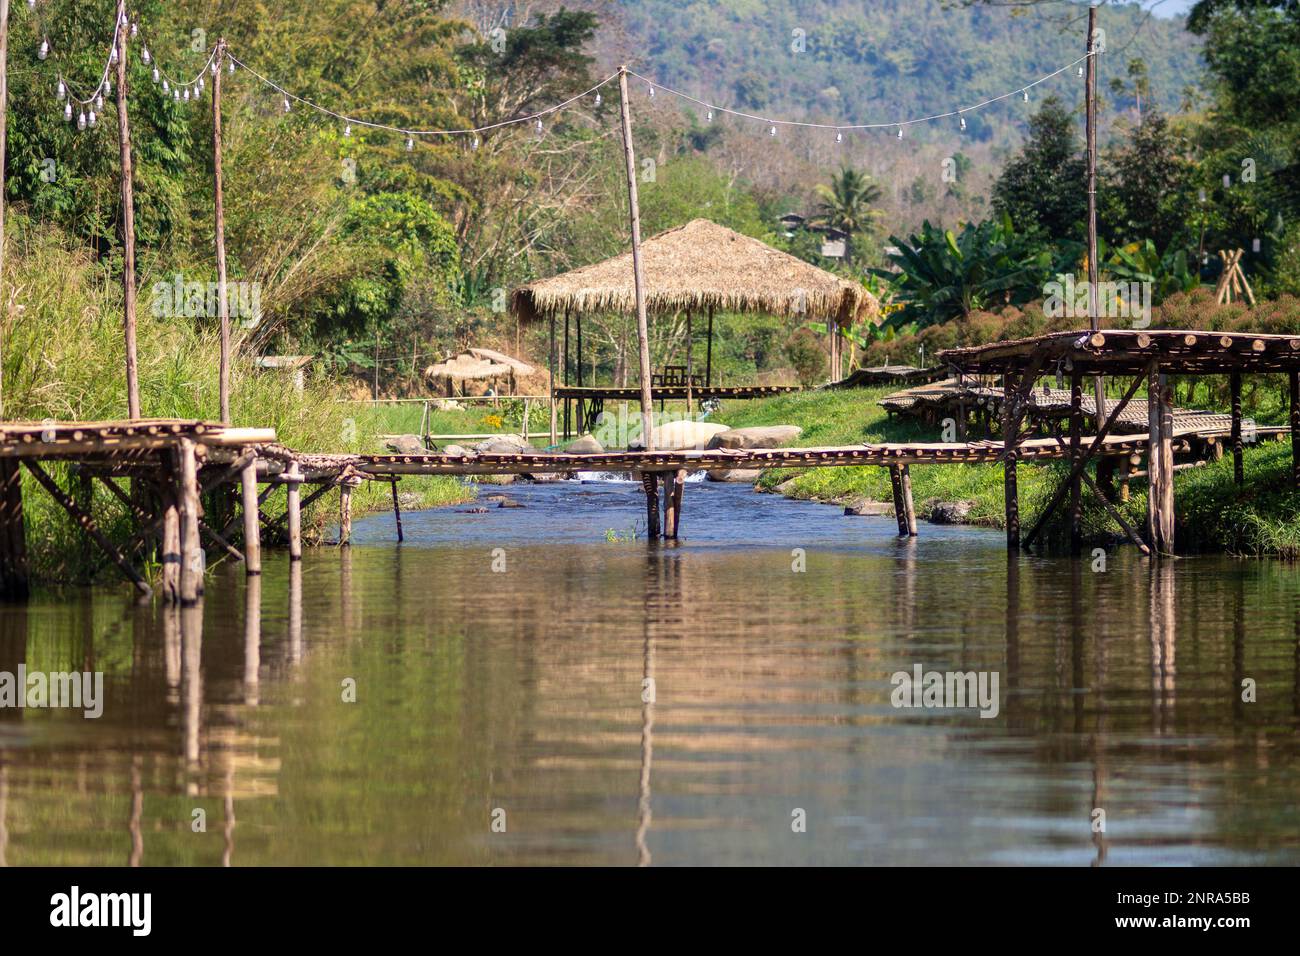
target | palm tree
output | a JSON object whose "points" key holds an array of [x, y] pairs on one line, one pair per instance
{"points": [[846, 205]]}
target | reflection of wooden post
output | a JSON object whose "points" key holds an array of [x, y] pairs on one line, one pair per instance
{"points": [[223, 307], [638, 270], [252, 639], [293, 505], [252, 526], [128, 219]]}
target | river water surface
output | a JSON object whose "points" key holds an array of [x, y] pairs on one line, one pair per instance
{"points": [[531, 687]]}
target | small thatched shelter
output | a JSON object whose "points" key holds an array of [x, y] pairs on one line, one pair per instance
{"points": [[478, 365], [698, 268]]}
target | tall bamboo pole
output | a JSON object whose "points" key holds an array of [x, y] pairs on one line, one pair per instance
{"points": [[1094, 317], [4, 122], [218, 200], [638, 270], [128, 220]]}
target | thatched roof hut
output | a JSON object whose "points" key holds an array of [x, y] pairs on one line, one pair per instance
{"points": [[478, 365], [700, 267]]}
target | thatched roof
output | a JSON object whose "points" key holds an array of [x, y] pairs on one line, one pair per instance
{"points": [[694, 267], [477, 364], [500, 358]]}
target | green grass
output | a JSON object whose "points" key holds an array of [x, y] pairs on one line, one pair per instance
{"points": [[1260, 518]]}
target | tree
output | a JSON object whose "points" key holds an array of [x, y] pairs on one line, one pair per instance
{"points": [[1148, 180], [1044, 188], [846, 205]]}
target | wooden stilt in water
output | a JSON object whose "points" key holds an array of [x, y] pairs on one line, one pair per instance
{"points": [[192, 564], [345, 514], [252, 527], [679, 486], [1238, 466], [171, 534], [1076, 439], [397, 508], [1160, 478], [900, 507], [670, 506], [909, 511], [293, 498], [13, 538], [650, 481]]}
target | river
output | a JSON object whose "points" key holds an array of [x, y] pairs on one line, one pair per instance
{"points": [[529, 686]]}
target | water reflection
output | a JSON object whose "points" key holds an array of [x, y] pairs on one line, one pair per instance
{"points": [[666, 705]]}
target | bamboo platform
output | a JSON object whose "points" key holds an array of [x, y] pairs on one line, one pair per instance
{"points": [[590, 399], [890, 375]]}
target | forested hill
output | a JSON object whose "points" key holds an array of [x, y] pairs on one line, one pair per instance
{"points": [[876, 61]]}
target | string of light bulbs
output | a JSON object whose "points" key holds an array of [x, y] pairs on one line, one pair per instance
{"points": [[192, 88]]}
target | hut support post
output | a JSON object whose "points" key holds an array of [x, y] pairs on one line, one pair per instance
{"points": [[1076, 486], [293, 499], [252, 527], [397, 509], [582, 403], [13, 537], [1238, 465], [551, 370], [638, 270], [690, 368], [345, 514], [191, 543], [1295, 429], [708, 354], [650, 481]]}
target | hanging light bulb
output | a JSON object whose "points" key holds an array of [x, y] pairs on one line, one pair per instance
{"points": [[709, 116], [44, 49], [81, 120], [473, 144], [963, 120], [1024, 94], [347, 130], [212, 67], [410, 143], [839, 136], [155, 74], [186, 97], [145, 55], [231, 68], [61, 91], [166, 87], [108, 87], [176, 94], [287, 106], [771, 131], [652, 92], [99, 101], [1081, 71], [31, 4], [900, 132], [538, 126], [67, 112], [91, 120], [112, 56], [135, 28], [598, 97]]}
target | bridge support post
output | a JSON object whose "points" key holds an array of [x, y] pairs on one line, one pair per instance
{"points": [[345, 515], [397, 508], [900, 481], [293, 480], [1295, 428], [905, 477], [1238, 468], [252, 527], [1076, 439], [13, 537], [192, 563], [650, 482], [1160, 464], [673, 502]]}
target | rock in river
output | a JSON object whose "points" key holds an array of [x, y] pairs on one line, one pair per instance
{"points": [[950, 512], [405, 444], [586, 445], [760, 436], [739, 475], [865, 506]]}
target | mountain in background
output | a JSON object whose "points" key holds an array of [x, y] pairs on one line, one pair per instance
{"points": [[854, 62]]}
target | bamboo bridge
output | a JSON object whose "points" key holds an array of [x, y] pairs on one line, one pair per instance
{"points": [[173, 465]]}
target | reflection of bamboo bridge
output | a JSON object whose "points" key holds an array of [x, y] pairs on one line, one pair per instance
{"points": [[173, 464]]}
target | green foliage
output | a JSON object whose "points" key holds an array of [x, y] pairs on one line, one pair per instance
{"points": [[1042, 190], [943, 275], [846, 204], [806, 355]]}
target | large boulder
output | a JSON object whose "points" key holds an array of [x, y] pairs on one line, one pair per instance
{"points": [[405, 444], [586, 445], [950, 512], [504, 445], [745, 475], [679, 436], [759, 436], [865, 506], [458, 450]]}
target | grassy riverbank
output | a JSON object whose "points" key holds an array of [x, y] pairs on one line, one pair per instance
{"points": [[63, 359], [1262, 517]]}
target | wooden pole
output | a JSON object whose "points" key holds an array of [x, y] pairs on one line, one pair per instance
{"points": [[171, 535], [1094, 317], [1238, 465], [679, 485], [1010, 489], [128, 220], [638, 269], [708, 354], [551, 369], [690, 393], [1167, 464], [345, 514], [292, 503], [1160, 457], [252, 527], [670, 505], [909, 510], [4, 122], [900, 506], [191, 544], [1295, 429], [1076, 439], [397, 510], [219, 218], [13, 537], [650, 482]]}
